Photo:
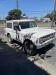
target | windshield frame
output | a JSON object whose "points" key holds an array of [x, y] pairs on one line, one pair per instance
{"points": [[31, 24]]}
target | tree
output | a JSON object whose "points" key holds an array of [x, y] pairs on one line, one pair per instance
{"points": [[14, 14], [51, 15]]}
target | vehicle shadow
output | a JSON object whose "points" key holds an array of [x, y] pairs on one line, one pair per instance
{"points": [[13, 63], [42, 52]]}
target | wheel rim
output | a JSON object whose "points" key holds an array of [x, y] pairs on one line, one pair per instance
{"points": [[29, 46], [9, 38]]}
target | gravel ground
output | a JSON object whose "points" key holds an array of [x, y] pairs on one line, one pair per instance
{"points": [[52, 53]]}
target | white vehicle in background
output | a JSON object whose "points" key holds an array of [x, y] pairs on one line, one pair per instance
{"points": [[26, 32], [46, 20]]}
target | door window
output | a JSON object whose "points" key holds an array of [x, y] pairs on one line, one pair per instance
{"points": [[9, 25]]}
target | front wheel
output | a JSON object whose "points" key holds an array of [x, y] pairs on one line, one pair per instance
{"points": [[9, 39], [29, 48]]}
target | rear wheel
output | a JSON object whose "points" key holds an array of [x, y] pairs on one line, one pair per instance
{"points": [[29, 48], [9, 39]]}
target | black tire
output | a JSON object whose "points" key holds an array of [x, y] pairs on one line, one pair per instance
{"points": [[9, 39], [29, 48]]}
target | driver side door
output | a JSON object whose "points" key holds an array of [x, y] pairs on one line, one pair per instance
{"points": [[16, 31]]}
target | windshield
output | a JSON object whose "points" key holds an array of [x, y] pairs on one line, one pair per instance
{"points": [[25, 25]]}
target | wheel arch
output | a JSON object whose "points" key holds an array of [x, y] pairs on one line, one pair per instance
{"points": [[8, 34], [28, 40], [33, 52]]}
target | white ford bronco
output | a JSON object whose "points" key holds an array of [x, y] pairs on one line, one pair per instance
{"points": [[29, 34]]}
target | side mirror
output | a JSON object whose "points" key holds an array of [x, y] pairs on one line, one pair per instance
{"points": [[17, 28]]}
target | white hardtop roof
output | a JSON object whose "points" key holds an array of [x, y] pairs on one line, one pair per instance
{"points": [[21, 20]]}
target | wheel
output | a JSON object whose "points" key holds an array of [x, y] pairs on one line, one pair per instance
{"points": [[9, 39], [29, 48]]}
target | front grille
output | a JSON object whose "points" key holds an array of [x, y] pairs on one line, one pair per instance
{"points": [[45, 38]]}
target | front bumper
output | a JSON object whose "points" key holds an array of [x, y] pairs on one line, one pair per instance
{"points": [[45, 43]]}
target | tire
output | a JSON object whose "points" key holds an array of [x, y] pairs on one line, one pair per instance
{"points": [[29, 48], [9, 39]]}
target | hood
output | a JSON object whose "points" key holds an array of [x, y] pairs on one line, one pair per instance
{"points": [[37, 32]]}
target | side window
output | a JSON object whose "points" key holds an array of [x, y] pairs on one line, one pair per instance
{"points": [[9, 25]]}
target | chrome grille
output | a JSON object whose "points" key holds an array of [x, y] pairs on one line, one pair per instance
{"points": [[45, 38]]}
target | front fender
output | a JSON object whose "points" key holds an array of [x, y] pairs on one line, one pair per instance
{"points": [[27, 37]]}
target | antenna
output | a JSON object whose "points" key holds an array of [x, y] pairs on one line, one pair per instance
{"points": [[53, 19], [17, 4], [54, 6], [54, 9]]}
